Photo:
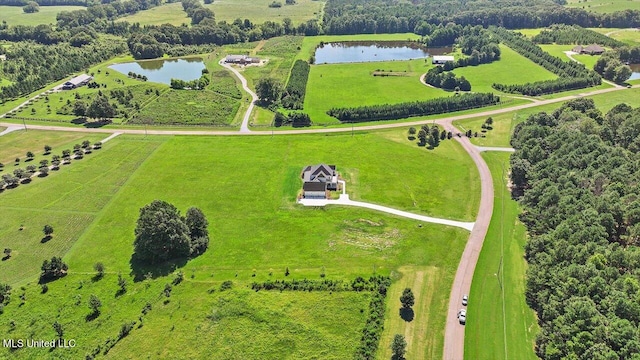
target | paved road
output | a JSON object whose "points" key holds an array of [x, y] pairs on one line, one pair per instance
{"points": [[11, 129], [244, 127], [454, 332], [344, 200]]}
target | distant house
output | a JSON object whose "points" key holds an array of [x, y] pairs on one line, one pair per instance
{"points": [[592, 49], [441, 59], [318, 179], [241, 59], [77, 81]]}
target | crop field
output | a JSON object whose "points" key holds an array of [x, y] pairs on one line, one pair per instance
{"points": [[482, 76], [500, 325], [14, 15], [605, 6], [257, 11], [341, 242], [199, 107]]}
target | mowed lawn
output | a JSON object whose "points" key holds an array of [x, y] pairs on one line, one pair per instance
{"points": [[16, 144], [68, 199], [512, 68], [14, 15], [258, 11], [247, 187], [604, 6], [558, 51], [352, 85], [500, 325]]}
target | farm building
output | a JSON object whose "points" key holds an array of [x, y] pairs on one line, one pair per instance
{"points": [[318, 179], [241, 59], [592, 49], [441, 59], [77, 81]]}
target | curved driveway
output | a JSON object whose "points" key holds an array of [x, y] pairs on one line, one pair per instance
{"points": [[244, 127]]}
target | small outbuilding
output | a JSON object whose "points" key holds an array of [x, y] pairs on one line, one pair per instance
{"points": [[441, 59], [77, 81]]}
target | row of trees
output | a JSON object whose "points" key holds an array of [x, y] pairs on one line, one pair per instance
{"points": [[293, 97], [574, 34], [416, 108], [572, 75], [196, 11], [107, 11], [293, 118], [48, 34], [447, 80], [382, 16], [575, 172]]}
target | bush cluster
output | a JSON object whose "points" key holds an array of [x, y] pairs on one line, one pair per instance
{"points": [[436, 76], [295, 119]]}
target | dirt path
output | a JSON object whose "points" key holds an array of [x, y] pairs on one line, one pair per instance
{"points": [[620, 30], [244, 127]]}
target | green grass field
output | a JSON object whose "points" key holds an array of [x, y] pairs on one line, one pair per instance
{"points": [[257, 11], [247, 187], [16, 144], [605, 6], [500, 325], [481, 77], [14, 15], [354, 85], [530, 32]]}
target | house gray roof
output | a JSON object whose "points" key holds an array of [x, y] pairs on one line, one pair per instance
{"points": [[314, 186], [315, 172], [594, 48]]}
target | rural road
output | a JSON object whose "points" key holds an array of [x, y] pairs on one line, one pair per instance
{"points": [[244, 127], [344, 200], [454, 332]]}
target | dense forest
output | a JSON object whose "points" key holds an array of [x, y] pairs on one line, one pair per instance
{"points": [[574, 34], [571, 75], [390, 16], [576, 174]]}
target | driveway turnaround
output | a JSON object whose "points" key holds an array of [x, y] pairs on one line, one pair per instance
{"points": [[11, 129], [344, 200]]}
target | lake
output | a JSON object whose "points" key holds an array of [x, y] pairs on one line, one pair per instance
{"points": [[635, 75], [368, 51], [162, 71]]}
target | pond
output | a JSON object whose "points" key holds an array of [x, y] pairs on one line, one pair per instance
{"points": [[635, 75], [367, 51], [162, 71]]}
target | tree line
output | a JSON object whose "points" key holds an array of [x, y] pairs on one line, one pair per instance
{"points": [[385, 16], [415, 108], [571, 75], [574, 34], [575, 173], [293, 97]]}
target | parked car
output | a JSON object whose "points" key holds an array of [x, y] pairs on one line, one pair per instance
{"points": [[465, 299], [462, 316]]}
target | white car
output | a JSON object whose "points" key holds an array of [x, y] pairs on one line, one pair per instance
{"points": [[462, 316], [465, 299]]}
